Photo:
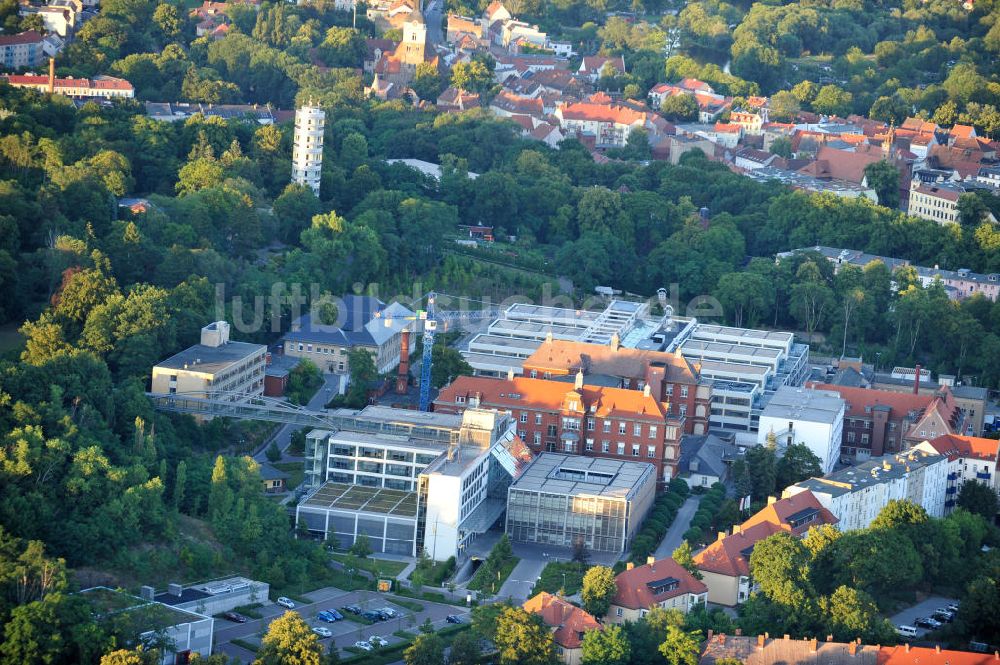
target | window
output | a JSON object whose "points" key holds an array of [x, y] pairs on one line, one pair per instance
{"points": [[621, 427], [590, 424], [850, 437], [537, 438], [618, 611], [590, 445], [670, 390], [569, 447], [524, 416], [684, 391], [551, 430], [651, 452], [652, 431], [607, 427], [621, 448], [459, 399], [534, 374], [864, 439], [635, 450], [637, 429], [605, 446], [538, 419], [683, 410]]}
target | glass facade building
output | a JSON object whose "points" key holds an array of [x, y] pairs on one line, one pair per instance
{"points": [[563, 499]]}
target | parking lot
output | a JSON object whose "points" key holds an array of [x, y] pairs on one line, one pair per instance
{"points": [[345, 632], [921, 610]]}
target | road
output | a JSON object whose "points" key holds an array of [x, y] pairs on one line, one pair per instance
{"points": [[345, 633], [675, 534], [284, 435], [522, 579]]}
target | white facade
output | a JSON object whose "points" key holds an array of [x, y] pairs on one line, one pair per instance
{"points": [[307, 152], [812, 417], [857, 494]]}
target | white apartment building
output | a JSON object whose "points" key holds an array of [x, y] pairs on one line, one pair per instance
{"points": [[410, 481], [217, 364], [21, 50], [803, 415], [307, 150], [857, 494], [970, 458]]}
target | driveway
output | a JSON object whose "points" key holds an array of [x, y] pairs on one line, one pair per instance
{"points": [[346, 632], [675, 533], [522, 579], [923, 609]]}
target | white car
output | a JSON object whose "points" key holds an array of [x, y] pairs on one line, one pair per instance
{"points": [[285, 602], [364, 645], [378, 641], [322, 632]]}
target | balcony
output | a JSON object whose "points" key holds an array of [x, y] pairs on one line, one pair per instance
{"points": [[951, 490], [982, 475], [950, 503], [953, 475]]}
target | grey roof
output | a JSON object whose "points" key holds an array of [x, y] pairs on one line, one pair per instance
{"points": [[970, 392], [358, 323], [576, 475], [820, 406], [268, 472], [871, 472], [211, 359], [850, 378], [710, 451]]}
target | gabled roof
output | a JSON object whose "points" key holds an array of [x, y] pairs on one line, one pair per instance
{"points": [[730, 555], [566, 357], [859, 399], [595, 63], [26, 37], [569, 621], [651, 584], [955, 446], [711, 454], [765, 650], [839, 165], [907, 655], [796, 514], [962, 132], [360, 325], [525, 393]]}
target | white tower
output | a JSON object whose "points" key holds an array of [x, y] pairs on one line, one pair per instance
{"points": [[307, 153]]}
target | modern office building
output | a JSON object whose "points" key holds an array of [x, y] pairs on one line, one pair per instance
{"points": [[857, 494], [578, 419], [811, 417], [307, 150], [217, 364], [564, 499], [410, 481]]}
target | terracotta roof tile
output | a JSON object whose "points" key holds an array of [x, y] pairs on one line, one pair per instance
{"points": [[954, 446], [569, 621], [636, 592], [907, 655]]}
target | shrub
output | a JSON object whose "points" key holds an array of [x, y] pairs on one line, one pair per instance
{"points": [[693, 535]]}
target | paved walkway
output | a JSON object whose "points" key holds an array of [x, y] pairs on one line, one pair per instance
{"points": [[675, 533], [521, 580]]}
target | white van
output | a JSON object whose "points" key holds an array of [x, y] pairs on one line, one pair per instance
{"points": [[906, 631]]}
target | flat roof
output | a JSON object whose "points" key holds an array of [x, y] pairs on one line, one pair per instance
{"points": [[358, 498], [152, 615], [577, 475], [872, 471], [817, 406], [387, 440], [486, 339], [211, 359], [731, 348], [708, 329]]}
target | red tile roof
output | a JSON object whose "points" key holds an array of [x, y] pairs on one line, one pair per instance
{"points": [[522, 392], [635, 591], [561, 357], [695, 85], [907, 655], [26, 37], [938, 192], [727, 128], [955, 446], [859, 398], [569, 621], [595, 63], [33, 80], [839, 165], [783, 511], [962, 131], [726, 555], [613, 113]]}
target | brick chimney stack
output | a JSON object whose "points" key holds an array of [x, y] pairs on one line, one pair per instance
{"points": [[852, 648], [916, 381], [813, 645], [52, 75], [403, 375]]}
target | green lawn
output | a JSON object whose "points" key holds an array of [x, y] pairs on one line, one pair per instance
{"points": [[296, 473], [379, 567], [552, 578], [482, 581]]}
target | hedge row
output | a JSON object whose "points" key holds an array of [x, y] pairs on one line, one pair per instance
{"points": [[707, 509], [659, 520]]}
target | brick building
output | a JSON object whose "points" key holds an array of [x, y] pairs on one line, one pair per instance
{"points": [[595, 421], [670, 377], [879, 422]]}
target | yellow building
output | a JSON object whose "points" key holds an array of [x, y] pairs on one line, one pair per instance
{"points": [[217, 364]]}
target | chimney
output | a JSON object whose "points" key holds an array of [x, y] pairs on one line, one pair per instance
{"points": [[650, 560], [813, 646], [722, 534], [907, 647], [646, 391], [737, 528], [760, 641], [52, 75], [772, 499], [147, 593], [852, 648], [175, 589], [738, 632], [829, 638], [916, 381], [629, 566], [578, 383], [787, 637], [937, 648], [708, 637], [403, 373], [510, 373], [615, 342], [721, 639]]}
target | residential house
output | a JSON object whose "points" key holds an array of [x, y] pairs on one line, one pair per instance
{"points": [[568, 623], [594, 66], [273, 479], [751, 122], [969, 458], [705, 459], [21, 50], [455, 100], [937, 203], [857, 494], [461, 25], [751, 158], [664, 583], [610, 125], [99, 87], [725, 134], [594, 421], [670, 377], [904, 654], [725, 564], [806, 416], [57, 19], [363, 322]]}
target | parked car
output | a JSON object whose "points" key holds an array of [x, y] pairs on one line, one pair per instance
{"points": [[378, 641], [364, 645], [953, 608], [353, 609], [235, 616], [928, 622], [384, 615], [388, 611], [286, 602], [322, 632], [337, 616], [906, 631], [326, 616], [454, 618], [943, 615], [371, 616]]}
